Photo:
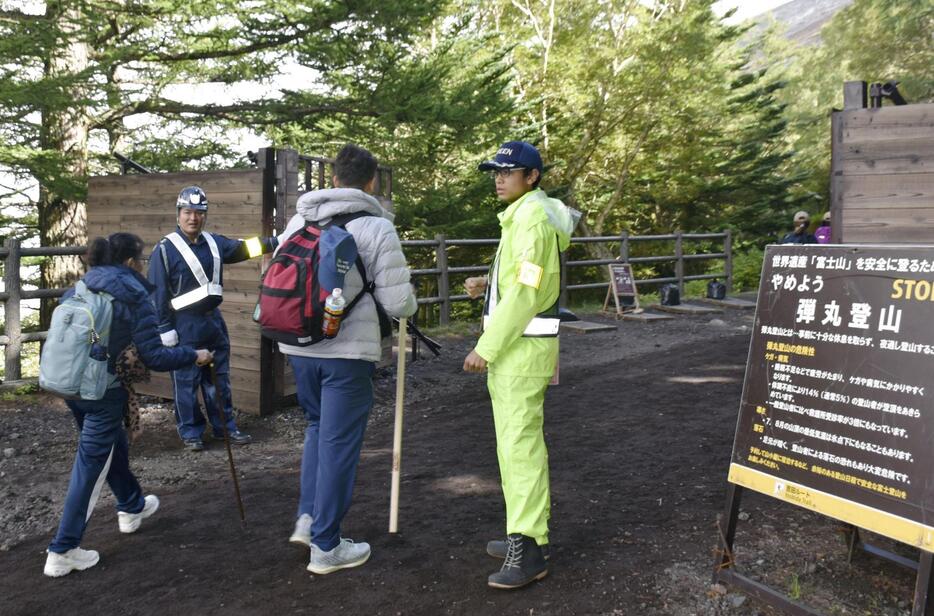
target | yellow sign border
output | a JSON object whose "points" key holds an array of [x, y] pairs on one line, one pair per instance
{"points": [[869, 518]]}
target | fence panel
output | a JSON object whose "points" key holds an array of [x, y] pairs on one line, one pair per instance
{"points": [[240, 283], [441, 271]]}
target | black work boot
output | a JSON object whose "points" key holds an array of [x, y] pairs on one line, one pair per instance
{"points": [[497, 549], [523, 565]]}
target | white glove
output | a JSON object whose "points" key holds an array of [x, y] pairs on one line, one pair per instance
{"points": [[169, 338]]}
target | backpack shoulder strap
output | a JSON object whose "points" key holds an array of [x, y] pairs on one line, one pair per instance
{"points": [[368, 285], [342, 220], [385, 323]]}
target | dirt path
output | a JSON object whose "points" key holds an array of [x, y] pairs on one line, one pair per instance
{"points": [[639, 437]]}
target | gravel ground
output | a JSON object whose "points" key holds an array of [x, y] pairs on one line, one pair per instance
{"points": [[639, 435]]}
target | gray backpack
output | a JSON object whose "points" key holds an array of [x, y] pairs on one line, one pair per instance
{"points": [[73, 363]]}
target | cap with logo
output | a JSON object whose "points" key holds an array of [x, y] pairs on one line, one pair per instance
{"points": [[514, 155]]}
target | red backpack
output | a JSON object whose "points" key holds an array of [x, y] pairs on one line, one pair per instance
{"points": [[291, 300]]}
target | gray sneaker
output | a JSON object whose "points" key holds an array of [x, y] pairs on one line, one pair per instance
{"points": [[347, 554], [302, 533]]}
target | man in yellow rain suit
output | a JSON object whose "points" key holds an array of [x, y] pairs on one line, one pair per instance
{"points": [[519, 349]]}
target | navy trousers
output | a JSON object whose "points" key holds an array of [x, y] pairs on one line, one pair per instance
{"points": [[102, 455], [203, 332], [336, 396]]}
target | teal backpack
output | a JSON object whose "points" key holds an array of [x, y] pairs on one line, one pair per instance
{"points": [[73, 363]]}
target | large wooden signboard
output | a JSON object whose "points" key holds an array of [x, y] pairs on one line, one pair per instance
{"points": [[622, 289], [837, 412]]}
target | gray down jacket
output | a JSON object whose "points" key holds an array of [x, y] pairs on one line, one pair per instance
{"points": [[381, 253]]}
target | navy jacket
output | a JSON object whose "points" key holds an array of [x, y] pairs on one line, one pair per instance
{"points": [[799, 238], [134, 319], [171, 276]]}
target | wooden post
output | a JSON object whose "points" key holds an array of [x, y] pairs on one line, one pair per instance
{"points": [[854, 95], [837, 232], [414, 339], [280, 192], [272, 364], [624, 246], [12, 286], [444, 283], [320, 175], [679, 263], [397, 432], [728, 261], [564, 279]]}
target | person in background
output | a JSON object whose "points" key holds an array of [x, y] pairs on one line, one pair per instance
{"points": [[822, 233], [800, 234], [115, 268]]}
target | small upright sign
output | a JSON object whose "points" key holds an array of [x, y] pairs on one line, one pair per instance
{"points": [[622, 289]]}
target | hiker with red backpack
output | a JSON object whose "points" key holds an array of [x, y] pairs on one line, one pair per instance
{"points": [[341, 238]]}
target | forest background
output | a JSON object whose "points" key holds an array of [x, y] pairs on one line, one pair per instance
{"points": [[652, 115]]}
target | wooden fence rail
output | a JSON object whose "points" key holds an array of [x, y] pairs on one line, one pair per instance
{"points": [[442, 271], [11, 253]]}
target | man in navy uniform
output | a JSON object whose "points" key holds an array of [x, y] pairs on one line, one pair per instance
{"points": [[186, 267]]}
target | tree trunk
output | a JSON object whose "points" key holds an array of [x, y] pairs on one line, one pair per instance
{"points": [[62, 212]]}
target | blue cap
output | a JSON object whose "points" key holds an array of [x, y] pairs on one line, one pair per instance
{"points": [[337, 253], [514, 155]]}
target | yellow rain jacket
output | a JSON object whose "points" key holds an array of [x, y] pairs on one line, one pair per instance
{"points": [[536, 229]]}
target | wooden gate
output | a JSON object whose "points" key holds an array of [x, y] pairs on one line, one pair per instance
{"points": [[244, 203], [882, 172]]}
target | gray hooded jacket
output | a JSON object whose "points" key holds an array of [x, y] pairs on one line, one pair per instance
{"points": [[379, 249]]}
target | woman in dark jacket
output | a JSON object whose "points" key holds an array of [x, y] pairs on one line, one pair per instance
{"points": [[115, 266]]}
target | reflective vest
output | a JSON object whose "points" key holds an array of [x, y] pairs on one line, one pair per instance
{"points": [[543, 325], [206, 287]]}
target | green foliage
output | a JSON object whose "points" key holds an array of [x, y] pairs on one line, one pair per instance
{"points": [[651, 116], [81, 80], [443, 105], [794, 587], [17, 394], [870, 40], [648, 116], [747, 269]]}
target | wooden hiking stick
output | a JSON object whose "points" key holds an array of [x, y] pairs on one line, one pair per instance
{"points": [[397, 432], [220, 410]]}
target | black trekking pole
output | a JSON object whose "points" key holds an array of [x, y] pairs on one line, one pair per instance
{"points": [[220, 410]]}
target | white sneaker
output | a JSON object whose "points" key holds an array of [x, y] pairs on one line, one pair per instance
{"points": [[347, 554], [302, 533], [129, 522], [57, 565]]}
